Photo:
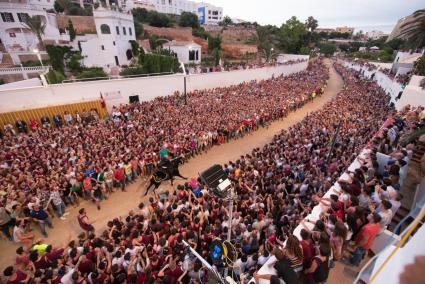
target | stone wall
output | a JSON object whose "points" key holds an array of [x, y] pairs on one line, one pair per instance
{"points": [[82, 24]]}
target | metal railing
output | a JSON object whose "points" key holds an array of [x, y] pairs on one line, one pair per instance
{"points": [[18, 70], [418, 211]]}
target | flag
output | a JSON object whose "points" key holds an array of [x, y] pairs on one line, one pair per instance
{"points": [[102, 101]]}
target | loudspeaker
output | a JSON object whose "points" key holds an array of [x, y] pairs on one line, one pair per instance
{"points": [[134, 99], [213, 176]]}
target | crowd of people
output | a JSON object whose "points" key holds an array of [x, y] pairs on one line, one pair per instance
{"points": [[53, 165], [277, 187]]}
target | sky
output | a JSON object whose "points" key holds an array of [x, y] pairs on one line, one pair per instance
{"points": [[362, 14]]}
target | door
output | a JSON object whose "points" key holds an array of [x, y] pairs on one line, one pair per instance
{"points": [[116, 61]]}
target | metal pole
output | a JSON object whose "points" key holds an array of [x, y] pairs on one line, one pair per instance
{"points": [[333, 143], [229, 232], [185, 94], [205, 263]]}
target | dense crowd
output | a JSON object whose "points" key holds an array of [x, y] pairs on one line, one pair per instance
{"points": [[47, 166], [276, 186]]}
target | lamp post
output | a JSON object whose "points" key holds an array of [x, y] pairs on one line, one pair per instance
{"points": [[36, 51]]}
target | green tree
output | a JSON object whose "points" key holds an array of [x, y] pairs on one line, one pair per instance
{"points": [[188, 19], [138, 29], [57, 54], [141, 15], [75, 63], [414, 30], [311, 23], [216, 53], [227, 21], [37, 25], [214, 42], [159, 20], [395, 43], [71, 30], [292, 34], [62, 6], [135, 48], [419, 66], [327, 48]]}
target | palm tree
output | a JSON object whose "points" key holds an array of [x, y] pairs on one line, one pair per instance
{"points": [[37, 25], [311, 23], [414, 29]]}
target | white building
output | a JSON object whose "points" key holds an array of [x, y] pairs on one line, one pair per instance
{"points": [[112, 45], [187, 52], [403, 61], [208, 14], [16, 39], [375, 35]]}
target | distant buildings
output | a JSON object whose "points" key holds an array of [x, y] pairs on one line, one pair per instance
{"points": [[345, 29], [375, 35], [187, 52], [208, 14], [337, 29]]}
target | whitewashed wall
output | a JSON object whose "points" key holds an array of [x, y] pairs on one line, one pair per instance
{"points": [[413, 94], [118, 91], [391, 87]]}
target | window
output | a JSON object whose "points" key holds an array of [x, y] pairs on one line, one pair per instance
{"points": [[23, 17], [12, 34], [118, 30], [7, 17], [103, 47], [104, 29], [124, 31], [130, 32], [191, 55], [215, 13], [113, 42]]}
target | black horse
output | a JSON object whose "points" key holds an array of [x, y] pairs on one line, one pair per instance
{"points": [[166, 170]]}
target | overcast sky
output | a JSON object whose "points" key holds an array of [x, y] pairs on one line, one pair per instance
{"points": [[362, 14]]}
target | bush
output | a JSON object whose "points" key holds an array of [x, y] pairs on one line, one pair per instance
{"points": [[327, 49], [159, 20], [159, 63], [305, 50], [74, 63], [422, 84], [200, 32], [419, 66], [95, 72], [33, 63], [55, 77], [188, 19], [132, 71]]}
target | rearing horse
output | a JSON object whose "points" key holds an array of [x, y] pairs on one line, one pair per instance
{"points": [[167, 170]]}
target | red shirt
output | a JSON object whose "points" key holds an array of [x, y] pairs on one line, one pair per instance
{"points": [[368, 231], [174, 274], [119, 174]]}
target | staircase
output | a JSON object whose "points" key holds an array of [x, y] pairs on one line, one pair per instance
{"points": [[6, 61]]}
